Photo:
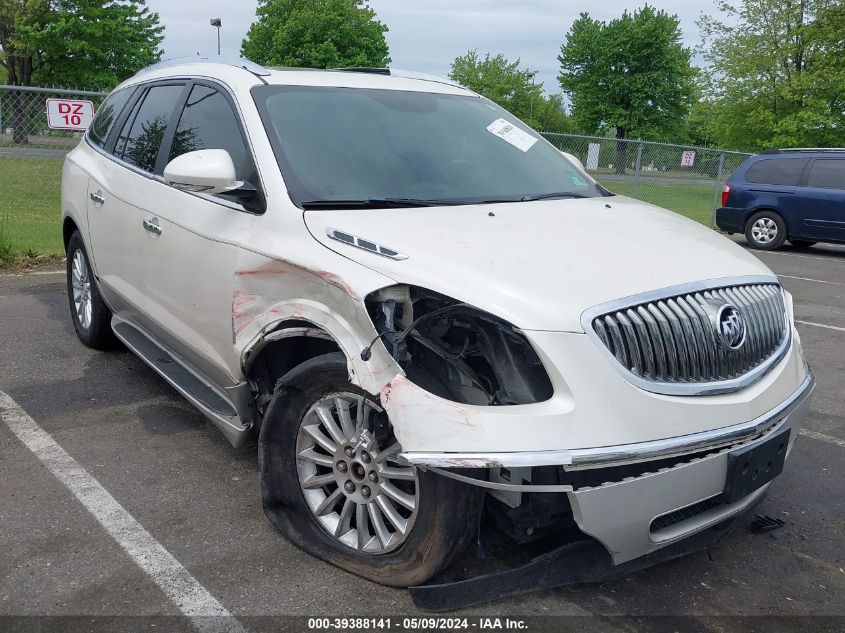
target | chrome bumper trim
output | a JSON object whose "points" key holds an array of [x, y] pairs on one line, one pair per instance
{"points": [[583, 458]]}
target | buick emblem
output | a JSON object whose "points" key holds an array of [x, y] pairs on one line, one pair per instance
{"points": [[730, 327]]}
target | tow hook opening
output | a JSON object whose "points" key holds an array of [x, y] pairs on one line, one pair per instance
{"points": [[456, 351]]}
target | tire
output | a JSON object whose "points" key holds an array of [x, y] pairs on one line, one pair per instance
{"points": [[446, 512], [802, 243], [765, 230], [90, 314]]}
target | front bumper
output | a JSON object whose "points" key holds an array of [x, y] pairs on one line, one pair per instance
{"points": [[621, 514]]}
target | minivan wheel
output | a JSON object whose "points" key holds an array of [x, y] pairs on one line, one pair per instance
{"points": [[332, 483], [90, 314], [765, 230], [802, 243]]}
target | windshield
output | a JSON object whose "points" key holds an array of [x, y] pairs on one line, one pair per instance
{"points": [[348, 147]]}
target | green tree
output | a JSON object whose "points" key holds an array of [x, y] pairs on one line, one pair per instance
{"points": [[77, 43], [776, 73], [316, 34], [512, 87], [631, 76], [18, 55], [551, 115]]}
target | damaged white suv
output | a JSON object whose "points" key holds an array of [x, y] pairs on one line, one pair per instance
{"points": [[413, 299]]}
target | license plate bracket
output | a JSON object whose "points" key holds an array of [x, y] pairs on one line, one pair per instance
{"points": [[752, 467]]}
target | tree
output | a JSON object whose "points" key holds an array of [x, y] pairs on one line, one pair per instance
{"points": [[776, 73], [77, 43], [94, 44], [513, 88], [18, 56], [316, 34], [631, 75]]}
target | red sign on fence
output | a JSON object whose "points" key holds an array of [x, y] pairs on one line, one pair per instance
{"points": [[69, 114]]}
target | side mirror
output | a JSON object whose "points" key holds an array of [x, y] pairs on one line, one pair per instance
{"points": [[206, 170], [572, 159]]}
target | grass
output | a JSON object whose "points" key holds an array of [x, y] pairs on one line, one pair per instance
{"points": [[6, 252], [692, 201], [29, 203]]}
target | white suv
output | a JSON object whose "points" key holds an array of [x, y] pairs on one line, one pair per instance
{"points": [[413, 299]]}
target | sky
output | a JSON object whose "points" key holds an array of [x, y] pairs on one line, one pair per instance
{"points": [[426, 35]]}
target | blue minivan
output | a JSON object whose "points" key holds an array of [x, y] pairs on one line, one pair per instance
{"points": [[788, 194]]}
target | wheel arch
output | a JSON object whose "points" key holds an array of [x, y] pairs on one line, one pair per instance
{"points": [[69, 227], [768, 209], [293, 342]]}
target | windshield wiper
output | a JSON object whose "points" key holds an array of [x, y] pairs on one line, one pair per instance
{"points": [[374, 203], [553, 196]]}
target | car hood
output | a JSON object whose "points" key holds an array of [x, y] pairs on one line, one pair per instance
{"points": [[540, 264]]}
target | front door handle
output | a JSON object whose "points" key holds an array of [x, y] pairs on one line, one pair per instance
{"points": [[97, 198], [152, 227]]}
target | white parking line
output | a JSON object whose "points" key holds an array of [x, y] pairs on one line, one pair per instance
{"points": [[824, 259], [818, 281], [827, 327], [192, 599], [822, 437]]}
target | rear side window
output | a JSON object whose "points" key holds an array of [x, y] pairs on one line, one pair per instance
{"points": [[208, 122], [140, 139], [827, 173], [107, 115], [777, 171]]}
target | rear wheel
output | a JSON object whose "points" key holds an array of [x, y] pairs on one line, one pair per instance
{"points": [[765, 230], [802, 243], [90, 314], [332, 483]]}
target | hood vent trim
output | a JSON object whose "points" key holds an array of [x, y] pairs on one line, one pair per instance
{"points": [[365, 245]]}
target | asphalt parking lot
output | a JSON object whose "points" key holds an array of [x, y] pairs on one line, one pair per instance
{"points": [[188, 490]]}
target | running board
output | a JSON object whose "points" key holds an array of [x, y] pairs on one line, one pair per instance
{"points": [[219, 409]]}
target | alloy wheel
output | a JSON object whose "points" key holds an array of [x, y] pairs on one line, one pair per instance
{"points": [[764, 230], [350, 475], [81, 284]]}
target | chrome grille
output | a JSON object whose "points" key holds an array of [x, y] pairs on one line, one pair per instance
{"points": [[674, 340]]}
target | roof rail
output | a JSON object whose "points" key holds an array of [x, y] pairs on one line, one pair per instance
{"points": [[363, 69], [412, 74], [804, 149], [237, 62], [397, 72]]}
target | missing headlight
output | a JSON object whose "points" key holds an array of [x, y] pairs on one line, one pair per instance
{"points": [[456, 351]]}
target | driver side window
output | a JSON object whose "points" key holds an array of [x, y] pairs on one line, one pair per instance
{"points": [[208, 122]]}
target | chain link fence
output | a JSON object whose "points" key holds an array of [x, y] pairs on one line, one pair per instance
{"points": [[31, 157], [682, 178]]}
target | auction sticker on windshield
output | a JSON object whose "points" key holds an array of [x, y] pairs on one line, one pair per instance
{"points": [[512, 134], [69, 114]]}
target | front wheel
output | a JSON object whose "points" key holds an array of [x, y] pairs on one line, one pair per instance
{"points": [[90, 314], [765, 230], [332, 483]]}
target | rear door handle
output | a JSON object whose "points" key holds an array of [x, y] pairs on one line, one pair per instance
{"points": [[97, 198], [152, 227]]}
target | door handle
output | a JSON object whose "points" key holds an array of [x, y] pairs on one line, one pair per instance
{"points": [[97, 198], [152, 227]]}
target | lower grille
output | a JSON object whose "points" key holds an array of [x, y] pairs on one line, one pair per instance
{"points": [[714, 335], [684, 514]]}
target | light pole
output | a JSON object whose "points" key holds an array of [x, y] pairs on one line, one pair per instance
{"points": [[532, 74], [217, 22]]}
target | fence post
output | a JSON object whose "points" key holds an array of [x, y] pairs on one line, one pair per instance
{"points": [[717, 188], [636, 184]]}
